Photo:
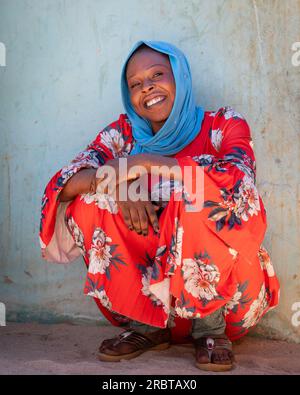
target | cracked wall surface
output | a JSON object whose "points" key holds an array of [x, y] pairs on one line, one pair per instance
{"points": [[60, 86]]}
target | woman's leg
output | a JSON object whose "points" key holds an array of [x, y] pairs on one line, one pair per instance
{"points": [[141, 328], [119, 261], [213, 324], [213, 348]]}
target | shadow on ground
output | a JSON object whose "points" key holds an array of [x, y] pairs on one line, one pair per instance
{"points": [[72, 349]]}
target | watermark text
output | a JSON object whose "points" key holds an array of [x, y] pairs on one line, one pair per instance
{"points": [[2, 55], [296, 56], [164, 182], [2, 314], [296, 315]]}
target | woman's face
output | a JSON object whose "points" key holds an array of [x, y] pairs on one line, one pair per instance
{"points": [[151, 86]]}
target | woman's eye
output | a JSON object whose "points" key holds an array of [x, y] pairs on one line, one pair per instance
{"points": [[157, 74], [134, 85]]}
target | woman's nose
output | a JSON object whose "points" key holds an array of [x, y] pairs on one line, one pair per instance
{"points": [[148, 85]]}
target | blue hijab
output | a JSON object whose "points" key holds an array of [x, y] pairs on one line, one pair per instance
{"points": [[184, 121]]}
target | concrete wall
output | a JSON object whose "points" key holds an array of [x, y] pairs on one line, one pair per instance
{"points": [[61, 85]]}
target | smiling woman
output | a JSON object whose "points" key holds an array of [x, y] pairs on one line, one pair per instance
{"points": [[165, 272], [151, 85]]}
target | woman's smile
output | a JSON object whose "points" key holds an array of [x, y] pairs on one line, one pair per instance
{"points": [[149, 103], [151, 86]]}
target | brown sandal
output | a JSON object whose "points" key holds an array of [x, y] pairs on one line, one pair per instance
{"points": [[205, 347], [131, 344]]}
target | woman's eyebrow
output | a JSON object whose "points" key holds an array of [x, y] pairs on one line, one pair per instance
{"points": [[153, 65]]}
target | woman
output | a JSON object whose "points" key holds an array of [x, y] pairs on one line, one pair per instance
{"points": [[167, 271]]}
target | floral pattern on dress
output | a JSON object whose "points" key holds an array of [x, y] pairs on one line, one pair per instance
{"points": [[162, 191], [45, 201], [102, 254], [183, 308], [94, 289], [146, 278], [233, 252], [148, 270], [237, 157], [76, 234], [84, 159], [201, 278], [216, 137], [204, 159], [114, 140], [156, 262], [175, 251], [239, 300], [256, 311], [103, 297], [238, 203], [189, 313], [228, 112], [265, 261], [103, 201]]}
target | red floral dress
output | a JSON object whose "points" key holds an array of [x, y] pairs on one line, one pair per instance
{"points": [[200, 261]]}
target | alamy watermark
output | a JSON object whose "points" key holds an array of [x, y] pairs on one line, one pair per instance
{"points": [[187, 186], [2, 314], [296, 56], [2, 55], [296, 315]]}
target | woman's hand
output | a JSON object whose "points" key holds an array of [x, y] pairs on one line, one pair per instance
{"points": [[120, 170], [138, 215]]}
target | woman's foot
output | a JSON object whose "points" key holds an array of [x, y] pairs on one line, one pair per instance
{"points": [[214, 353], [130, 344]]}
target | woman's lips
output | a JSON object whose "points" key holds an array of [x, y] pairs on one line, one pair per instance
{"points": [[149, 103]]}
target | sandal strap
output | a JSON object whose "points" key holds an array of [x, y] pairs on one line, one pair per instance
{"points": [[211, 343], [135, 338]]}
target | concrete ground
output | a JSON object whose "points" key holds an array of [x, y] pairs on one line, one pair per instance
{"points": [[71, 349]]}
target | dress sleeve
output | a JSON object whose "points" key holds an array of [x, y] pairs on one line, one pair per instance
{"points": [[56, 241], [232, 208]]}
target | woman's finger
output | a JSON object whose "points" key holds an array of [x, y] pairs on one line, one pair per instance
{"points": [[135, 219], [126, 216], [150, 208], [143, 218]]}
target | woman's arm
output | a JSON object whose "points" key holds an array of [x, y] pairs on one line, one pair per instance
{"points": [[136, 165], [85, 180], [162, 165], [97, 154], [82, 182]]}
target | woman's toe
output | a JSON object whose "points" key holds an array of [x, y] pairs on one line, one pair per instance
{"points": [[202, 357], [222, 357], [105, 344]]}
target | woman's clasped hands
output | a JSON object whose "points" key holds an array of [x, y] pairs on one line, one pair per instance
{"points": [[125, 179]]}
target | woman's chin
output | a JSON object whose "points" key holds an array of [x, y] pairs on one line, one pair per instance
{"points": [[157, 122]]}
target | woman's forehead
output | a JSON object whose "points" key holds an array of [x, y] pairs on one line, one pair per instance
{"points": [[145, 58]]}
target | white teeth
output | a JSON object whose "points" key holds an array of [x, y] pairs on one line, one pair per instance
{"points": [[154, 101]]}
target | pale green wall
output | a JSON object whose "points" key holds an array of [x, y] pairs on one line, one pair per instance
{"points": [[61, 85]]}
